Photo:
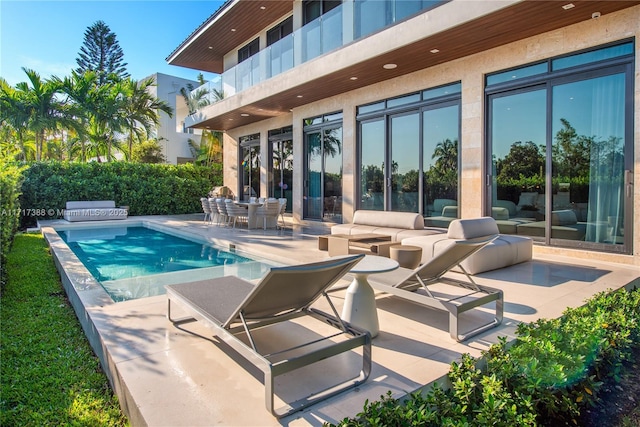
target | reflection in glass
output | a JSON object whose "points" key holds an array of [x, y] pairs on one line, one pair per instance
{"points": [[282, 171], [313, 199], [440, 161], [251, 171], [518, 161], [323, 195], [332, 147], [588, 160], [405, 162], [372, 161]]}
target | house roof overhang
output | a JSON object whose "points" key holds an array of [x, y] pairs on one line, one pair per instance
{"points": [[235, 22], [515, 21]]}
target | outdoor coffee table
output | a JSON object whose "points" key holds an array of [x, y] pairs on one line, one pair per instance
{"points": [[360, 301], [341, 244]]}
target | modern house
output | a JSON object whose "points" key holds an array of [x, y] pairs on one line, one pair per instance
{"points": [[172, 133], [526, 111]]}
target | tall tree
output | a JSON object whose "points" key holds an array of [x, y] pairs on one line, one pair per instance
{"points": [[101, 52], [45, 111], [14, 115]]}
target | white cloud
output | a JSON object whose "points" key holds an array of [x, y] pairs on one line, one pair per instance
{"points": [[48, 69]]}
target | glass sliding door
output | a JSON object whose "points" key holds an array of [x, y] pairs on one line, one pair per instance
{"points": [[408, 148], [332, 155], [313, 179], [405, 162], [281, 170], [250, 167], [518, 161], [372, 174], [589, 160], [440, 136], [561, 137], [323, 169]]}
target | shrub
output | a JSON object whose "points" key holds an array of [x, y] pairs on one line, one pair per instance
{"points": [[148, 189], [10, 180], [553, 370]]}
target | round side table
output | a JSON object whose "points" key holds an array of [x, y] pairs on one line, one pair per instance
{"points": [[360, 301], [406, 255]]}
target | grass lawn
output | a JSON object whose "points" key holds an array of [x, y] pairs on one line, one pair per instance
{"points": [[49, 374]]}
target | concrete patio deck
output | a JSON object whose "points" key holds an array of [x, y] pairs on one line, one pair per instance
{"points": [[170, 376]]}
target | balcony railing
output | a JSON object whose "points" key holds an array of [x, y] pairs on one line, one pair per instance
{"points": [[336, 28]]}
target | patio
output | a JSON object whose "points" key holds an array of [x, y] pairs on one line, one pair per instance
{"points": [[166, 376]]}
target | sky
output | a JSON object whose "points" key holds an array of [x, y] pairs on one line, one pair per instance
{"points": [[46, 36]]}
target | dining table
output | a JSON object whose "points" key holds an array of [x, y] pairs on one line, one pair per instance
{"points": [[252, 207]]}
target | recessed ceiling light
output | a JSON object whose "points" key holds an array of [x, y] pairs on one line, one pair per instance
{"points": [[233, 29], [210, 47], [568, 6], [354, 78], [244, 115], [262, 7], [389, 66], [299, 96], [230, 120], [434, 50]]}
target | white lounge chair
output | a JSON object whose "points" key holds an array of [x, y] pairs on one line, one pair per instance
{"points": [[414, 285], [234, 307]]}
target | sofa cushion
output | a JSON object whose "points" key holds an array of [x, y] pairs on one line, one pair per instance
{"points": [[508, 204], [450, 211], [92, 204], [440, 204], [499, 213], [405, 220], [563, 217], [528, 199], [472, 228]]}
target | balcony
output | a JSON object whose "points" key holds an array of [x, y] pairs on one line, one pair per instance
{"points": [[452, 30], [340, 26]]}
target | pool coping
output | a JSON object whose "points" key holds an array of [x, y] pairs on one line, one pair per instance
{"points": [[86, 294], [143, 407]]}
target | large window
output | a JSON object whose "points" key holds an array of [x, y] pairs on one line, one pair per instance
{"points": [[409, 154], [281, 164], [560, 149], [323, 168], [250, 166]]}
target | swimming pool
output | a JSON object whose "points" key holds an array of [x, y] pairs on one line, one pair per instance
{"points": [[136, 262]]}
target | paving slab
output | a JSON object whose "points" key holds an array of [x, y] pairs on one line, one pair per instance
{"points": [[166, 375]]}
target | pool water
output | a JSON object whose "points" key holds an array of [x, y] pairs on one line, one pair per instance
{"points": [[136, 262]]}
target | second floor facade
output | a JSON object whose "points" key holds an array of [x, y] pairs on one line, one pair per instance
{"points": [[273, 56]]}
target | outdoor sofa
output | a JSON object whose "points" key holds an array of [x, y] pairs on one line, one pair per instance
{"points": [[502, 252], [398, 225]]}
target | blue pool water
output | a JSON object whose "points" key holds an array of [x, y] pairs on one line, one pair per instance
{"points": [[136, 262]]}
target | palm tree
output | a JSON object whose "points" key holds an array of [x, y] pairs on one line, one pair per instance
{"points": [[141, 110], [46, 112], [14, 116], [194, 99], [446, 155]]}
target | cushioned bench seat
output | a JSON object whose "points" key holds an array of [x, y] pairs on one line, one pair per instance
{"points": [[398, 225], [502, 252], [97, 210], [564, 225]]}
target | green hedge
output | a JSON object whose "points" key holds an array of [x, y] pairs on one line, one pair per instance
{"points": [[148, 189], [553, 371], [10, 179]]}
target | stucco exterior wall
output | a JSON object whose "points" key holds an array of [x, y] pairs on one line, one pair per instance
{"points": [[470, 71], [174, 142]]}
